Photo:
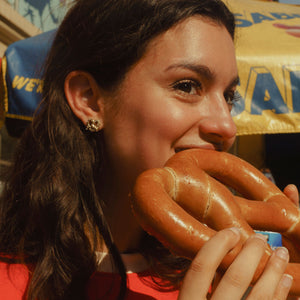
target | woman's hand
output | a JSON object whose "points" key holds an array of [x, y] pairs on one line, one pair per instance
{"points": [[273, 283], [292, 193]]}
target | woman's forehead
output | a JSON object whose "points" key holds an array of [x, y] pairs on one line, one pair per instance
{"points": [[193, 42]]}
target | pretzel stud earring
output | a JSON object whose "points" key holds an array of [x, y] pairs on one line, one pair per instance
{"points": [[94, 125]]}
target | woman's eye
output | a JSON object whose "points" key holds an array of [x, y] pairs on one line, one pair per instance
{"points": [[232, 97], [187, 86]]}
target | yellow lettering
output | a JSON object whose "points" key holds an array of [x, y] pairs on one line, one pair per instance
{"points": [[19, 82], [40, 86], [30, 85]]}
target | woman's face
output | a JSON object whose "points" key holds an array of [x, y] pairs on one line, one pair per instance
{"points": [[176, 97]]}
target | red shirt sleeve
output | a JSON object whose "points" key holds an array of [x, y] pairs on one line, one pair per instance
{"points": [[13, 281], [140, 287]]}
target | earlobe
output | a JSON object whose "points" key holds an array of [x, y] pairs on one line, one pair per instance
{"points": [[84, 96]]}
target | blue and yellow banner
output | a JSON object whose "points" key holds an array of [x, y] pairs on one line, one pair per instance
{"points": [[21, 75], [268, 55]]}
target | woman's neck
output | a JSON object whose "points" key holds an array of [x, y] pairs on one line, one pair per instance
{"points": [[124, 228]]}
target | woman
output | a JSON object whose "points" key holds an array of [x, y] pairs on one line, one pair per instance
{"points": [[128, 83]]}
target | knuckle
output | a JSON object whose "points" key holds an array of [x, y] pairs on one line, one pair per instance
{"points": [[235, 279], [278, 265], [198, 266], [279, 260]]}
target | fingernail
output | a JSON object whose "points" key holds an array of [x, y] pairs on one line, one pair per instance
{"points": [[287, 280], [261, 236], [282, 252]]}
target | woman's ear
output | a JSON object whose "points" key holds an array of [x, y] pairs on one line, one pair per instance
{"points": [[84, 96]]}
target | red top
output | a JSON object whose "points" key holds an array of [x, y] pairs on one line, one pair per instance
{"points": [[14, 281]]}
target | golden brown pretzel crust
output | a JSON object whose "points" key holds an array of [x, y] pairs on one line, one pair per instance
{"points": [[186, 202]]}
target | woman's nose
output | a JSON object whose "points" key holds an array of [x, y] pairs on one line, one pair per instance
{"points": [[217, 126]]}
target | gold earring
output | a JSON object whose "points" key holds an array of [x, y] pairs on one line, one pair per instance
{"points": [[94, 125]]}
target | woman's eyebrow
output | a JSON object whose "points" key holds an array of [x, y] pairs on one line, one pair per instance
{"points": [[234, 82], [199, 69], [202, 70]]}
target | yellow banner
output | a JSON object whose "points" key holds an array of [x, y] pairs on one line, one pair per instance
{"points": [[268, 54]]}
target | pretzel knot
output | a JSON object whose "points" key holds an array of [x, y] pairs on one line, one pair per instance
{"points": [[184, 203]]}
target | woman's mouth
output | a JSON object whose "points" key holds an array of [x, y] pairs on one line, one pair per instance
{"points": [[206, 146]]}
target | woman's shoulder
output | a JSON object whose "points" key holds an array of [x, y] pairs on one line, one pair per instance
{"points": [[13, 281]]}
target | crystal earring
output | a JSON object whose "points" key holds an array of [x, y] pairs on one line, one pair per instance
{"points": [[94, 125]]}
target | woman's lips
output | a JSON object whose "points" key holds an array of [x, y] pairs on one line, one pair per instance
{"points": [[207, 147]]}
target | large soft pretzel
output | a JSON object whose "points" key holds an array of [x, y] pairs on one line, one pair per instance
{"points": [[186, 202]]}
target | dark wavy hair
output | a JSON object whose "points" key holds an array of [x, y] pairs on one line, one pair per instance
{"points": [[50, 201]]}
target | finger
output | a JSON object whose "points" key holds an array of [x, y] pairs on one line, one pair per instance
{"points": [[269, 281], [283, 288], [240, 273], [292, 193], [202, 270]]}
